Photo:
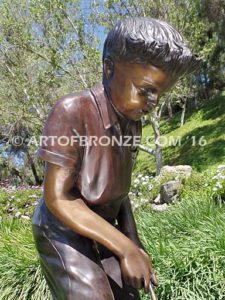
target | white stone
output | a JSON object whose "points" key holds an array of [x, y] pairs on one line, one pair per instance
{"points": [[179, 170]]}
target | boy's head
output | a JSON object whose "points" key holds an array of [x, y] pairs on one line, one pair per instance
{"points": [[142, 58]]}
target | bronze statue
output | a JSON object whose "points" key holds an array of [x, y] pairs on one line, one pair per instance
{"points": [[84, 227]]}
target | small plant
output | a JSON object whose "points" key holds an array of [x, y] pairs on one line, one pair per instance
{"points": [[216, 185], [145, 188], [19, 202]]}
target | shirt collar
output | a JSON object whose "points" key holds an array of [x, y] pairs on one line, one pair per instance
{"points": [[107, 112]]}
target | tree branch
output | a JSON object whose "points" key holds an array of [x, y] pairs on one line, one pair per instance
{"points": [[147, 150]]}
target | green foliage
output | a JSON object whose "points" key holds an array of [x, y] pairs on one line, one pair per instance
{"points": [[18, 203], [145, 188], [20, 276], [201, 23], [187, 243], [216, 185], [46, 52], [200, 142]]}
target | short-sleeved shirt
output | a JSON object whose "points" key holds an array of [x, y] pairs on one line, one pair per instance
{"points": [[83, 132]]}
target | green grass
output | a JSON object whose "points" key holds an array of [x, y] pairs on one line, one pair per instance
{"points": [[187, 244], [20, 274], [18, 201], [205, 124]]}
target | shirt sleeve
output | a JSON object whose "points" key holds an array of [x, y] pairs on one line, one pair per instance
{"points": [[59, 143]]}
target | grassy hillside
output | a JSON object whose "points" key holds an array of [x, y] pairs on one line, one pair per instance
{"points": [[202, 138]]}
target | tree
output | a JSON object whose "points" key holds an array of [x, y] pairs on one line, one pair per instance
{"points": [[46, 51]]}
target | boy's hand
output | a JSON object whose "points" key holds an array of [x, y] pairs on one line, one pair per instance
{"points": [[136, 268]]}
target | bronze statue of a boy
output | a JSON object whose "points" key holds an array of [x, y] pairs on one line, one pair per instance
{"points": [[84, 228]]}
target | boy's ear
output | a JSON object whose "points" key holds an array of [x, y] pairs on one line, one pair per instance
{"points": [[108, 68]]}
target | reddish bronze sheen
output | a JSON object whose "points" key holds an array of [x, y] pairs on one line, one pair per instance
{"points": [[85, 192], [84, 227]]}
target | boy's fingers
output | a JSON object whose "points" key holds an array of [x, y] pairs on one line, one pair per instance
{"points": [[154, 279], [146, 286]]}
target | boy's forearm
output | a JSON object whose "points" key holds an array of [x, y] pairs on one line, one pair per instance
{"points": [[76, 215]]}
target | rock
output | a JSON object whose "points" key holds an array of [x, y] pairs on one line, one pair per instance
{"points": [[18, 214], [159, 207], [157, 199], [168, 191], [180, 170], [25, 217], [221, 168]]}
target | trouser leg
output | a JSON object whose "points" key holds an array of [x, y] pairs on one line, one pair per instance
{"points": [[70, 274]]}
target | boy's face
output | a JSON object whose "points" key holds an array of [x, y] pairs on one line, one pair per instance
{"points": [[135, 89]]}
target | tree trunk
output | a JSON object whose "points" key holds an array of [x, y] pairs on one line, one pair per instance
{"points": [[158, 151], [161, 109], [147, 150], [169, 107], [33, 168], [184, 104]]}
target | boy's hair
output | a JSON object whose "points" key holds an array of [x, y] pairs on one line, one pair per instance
{"points": [[147, 40]]}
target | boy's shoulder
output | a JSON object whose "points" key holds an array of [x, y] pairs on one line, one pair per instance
{"points": [[80, 107], [74, 102]]}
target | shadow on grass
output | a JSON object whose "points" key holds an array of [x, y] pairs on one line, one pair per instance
{"points": [[210, 109], [215, 108], [195, 154]]}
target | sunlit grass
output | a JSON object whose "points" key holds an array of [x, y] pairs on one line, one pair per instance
{"points": [[205, 125], [20, 274], [187, 243]]}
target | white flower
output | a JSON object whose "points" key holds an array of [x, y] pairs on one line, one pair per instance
{"points": [[150, 187], [215, 189], [136, 181], [219, 185]]}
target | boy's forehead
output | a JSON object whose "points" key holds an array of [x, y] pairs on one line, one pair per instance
{"points": [[143, 76], [146, 73]]}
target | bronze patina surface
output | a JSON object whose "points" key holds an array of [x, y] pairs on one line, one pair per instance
{"points": [[84, 228]]}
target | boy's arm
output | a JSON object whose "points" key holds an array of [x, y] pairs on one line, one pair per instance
{"points": [[68, 206], [127, 223]]}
